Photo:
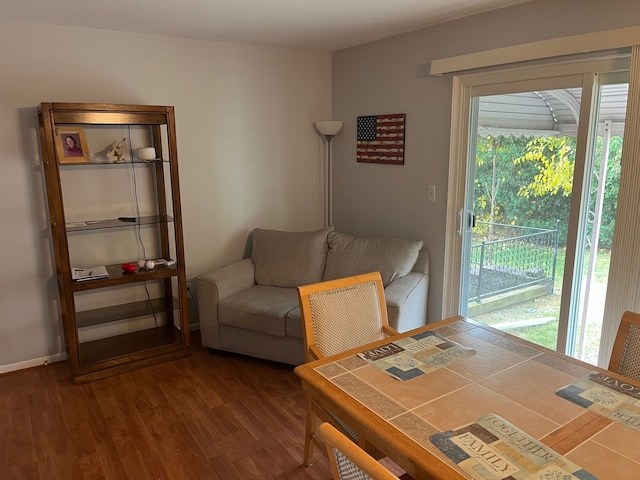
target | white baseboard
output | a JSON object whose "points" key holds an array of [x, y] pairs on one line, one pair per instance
{"points": [[36, 362]]}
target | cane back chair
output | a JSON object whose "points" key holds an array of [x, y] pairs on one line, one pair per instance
{"points": [[339, 315], [625, 357]]}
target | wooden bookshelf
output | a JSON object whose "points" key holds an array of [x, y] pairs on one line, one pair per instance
{"points": [[149, 322]]}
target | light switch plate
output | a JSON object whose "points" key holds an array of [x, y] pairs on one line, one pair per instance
{"points": [[431, 193]]}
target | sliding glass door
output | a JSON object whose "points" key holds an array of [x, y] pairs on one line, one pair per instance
{"points": [[541, 182]]}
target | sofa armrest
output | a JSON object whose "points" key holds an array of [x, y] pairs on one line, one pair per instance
{"points": [[422, 263], [407, 301], [216, 286]]}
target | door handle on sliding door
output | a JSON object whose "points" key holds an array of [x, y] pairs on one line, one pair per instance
{"points": [[467, 225]]}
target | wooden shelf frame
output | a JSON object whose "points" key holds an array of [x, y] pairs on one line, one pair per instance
{"points": [[109, 356]]}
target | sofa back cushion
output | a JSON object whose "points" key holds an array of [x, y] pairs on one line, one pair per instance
{"points": [[289, 259], [392, 257]]}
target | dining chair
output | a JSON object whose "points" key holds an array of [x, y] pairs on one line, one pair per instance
{"points": [[347, 460], [339, 315], [625, 357]]}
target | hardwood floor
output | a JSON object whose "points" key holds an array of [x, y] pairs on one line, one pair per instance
{"points": [[204, 417]]}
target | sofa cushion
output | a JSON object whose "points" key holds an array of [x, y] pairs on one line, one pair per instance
{"points": [[392, 257], [260, 308], [289, 259], [294, 323]]}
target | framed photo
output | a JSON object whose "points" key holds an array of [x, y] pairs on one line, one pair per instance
{"points": [[71, 145]]}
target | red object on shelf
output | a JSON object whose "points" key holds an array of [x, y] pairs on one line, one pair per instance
{"points": [[129, 267]]}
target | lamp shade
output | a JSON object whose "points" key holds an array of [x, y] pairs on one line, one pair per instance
{"points": [[329, 127]]}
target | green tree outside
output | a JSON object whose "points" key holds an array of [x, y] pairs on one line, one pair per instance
{"points": [[527, 181]]}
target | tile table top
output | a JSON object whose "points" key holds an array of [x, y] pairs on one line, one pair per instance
{"points": [[506, 377]]}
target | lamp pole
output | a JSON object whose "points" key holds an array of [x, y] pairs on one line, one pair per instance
{"points": [[328, 130]]}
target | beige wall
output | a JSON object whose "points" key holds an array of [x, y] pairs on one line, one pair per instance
{"points": [[248, 154], [391, 76]]}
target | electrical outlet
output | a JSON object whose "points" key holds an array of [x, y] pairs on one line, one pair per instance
{"points": [[431, 193]]}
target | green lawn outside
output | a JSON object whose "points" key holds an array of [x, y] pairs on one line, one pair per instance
{"points": [[548, 307]]}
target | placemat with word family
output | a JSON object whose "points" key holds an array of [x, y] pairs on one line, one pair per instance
{"points": [[493, 449]]}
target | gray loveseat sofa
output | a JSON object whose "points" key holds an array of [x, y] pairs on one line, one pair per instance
{"points": [[251, 306]]}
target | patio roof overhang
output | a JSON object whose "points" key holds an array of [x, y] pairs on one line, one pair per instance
{"points": [[548, 113]]}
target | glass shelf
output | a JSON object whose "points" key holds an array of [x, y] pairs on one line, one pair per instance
{"points": [[141, 344], [115, 164], [115, 223], [124, 311], [117, 276]]}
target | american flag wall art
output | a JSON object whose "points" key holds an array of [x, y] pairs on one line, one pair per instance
{"points": [[380, 139]]}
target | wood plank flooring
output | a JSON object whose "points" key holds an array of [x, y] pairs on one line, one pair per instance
{"points": [[204, 417]]}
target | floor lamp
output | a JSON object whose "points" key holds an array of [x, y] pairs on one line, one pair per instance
{"points": [[328, 129]]}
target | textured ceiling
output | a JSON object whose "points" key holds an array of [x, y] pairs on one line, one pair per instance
{"points": [[326, 24]]}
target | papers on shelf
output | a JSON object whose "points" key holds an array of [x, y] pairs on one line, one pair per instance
{"points": [[164, 262], [90, 273]]}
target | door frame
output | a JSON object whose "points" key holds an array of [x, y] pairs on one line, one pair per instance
{"points": [[465, 88]]}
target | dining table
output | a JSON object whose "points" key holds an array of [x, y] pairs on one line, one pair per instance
{"points": [[457, 399]]}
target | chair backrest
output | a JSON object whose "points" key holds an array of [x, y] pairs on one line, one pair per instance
{"points": [[348, 461], [342, 314], [625, 357]]}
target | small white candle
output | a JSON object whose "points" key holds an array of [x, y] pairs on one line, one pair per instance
{"points": [[146, 153]]}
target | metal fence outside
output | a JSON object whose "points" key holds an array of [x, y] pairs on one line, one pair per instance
{"points": [[509, 257]]}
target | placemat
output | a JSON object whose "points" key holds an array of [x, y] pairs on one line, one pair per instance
{"points": [[493, 449], [416, 355], [606, 395]]}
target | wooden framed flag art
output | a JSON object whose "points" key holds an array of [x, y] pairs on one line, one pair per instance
{"points": [[380, 139]]}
